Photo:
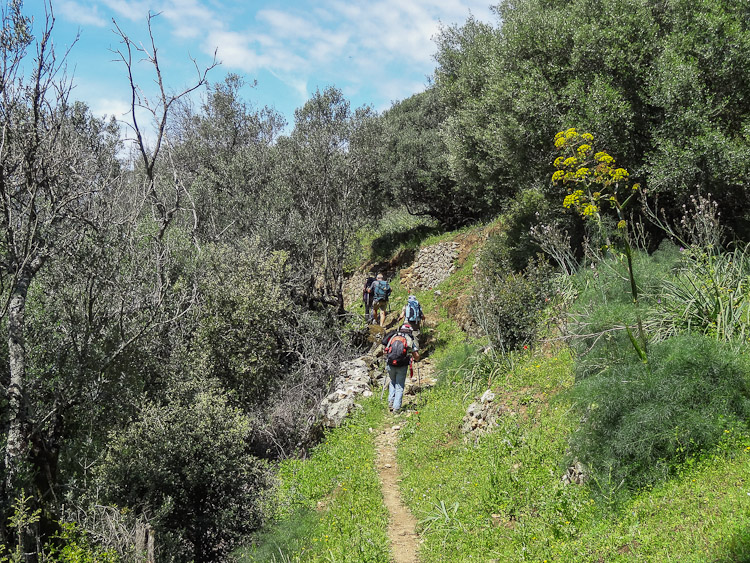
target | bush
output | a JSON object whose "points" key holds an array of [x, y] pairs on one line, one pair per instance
{"points": [[641, 420], [187, 465], [516, 244], [73, 545], [508, 306]]}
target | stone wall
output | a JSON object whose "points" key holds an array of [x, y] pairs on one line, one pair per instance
{"points": [[432, 265]]}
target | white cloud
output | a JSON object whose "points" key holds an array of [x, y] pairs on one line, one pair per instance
{"points": [[190, 18], [287, 25], [109, 107], [79, 14], [134, 10]]}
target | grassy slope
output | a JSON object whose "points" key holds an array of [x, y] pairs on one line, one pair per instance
{"points": [[329, 506], [454, 488]]}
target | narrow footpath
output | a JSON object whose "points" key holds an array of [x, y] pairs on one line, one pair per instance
{"points": [[401, 524]]}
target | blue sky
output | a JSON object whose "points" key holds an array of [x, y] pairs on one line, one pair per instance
{"points": [[375, 51]]}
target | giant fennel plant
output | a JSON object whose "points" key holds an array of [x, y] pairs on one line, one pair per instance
{"points": [[593, 183]]}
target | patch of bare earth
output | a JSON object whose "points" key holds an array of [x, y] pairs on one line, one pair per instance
{"points": [[401, 523]]}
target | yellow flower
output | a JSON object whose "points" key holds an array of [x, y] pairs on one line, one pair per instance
{"points": [[557, 176], [590, 210], [604, 158], [560, 143], [573, 199], [560, 134], [582, 172], [587, 137], [619, 174], [570, 162], [583, 150], [558, 161], [636, 186], [621, 224], [571, 133]]}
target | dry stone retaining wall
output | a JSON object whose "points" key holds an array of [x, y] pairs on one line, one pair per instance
{"points": [[432, 266]]}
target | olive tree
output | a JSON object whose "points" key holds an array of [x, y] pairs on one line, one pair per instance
{"points": [[327, 169], [225, 147]]}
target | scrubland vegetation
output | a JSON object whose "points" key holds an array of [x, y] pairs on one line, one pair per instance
{"points": [[174, 318]]}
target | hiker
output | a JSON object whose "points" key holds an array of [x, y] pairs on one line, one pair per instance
{"points": [[367, 296], [401, 347], [412, 313], [380, 290]]}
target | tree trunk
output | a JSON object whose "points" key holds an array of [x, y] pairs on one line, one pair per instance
{"points": [[17, 415]]}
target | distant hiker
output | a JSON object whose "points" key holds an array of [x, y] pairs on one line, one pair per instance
{"points": [[380, 290], [401, 347], [368, 297], [412, 313]]}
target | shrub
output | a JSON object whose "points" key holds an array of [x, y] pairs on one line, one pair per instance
{"points": [[640, 420], [517, 245], [508, 306], [187, 464], [73, 545]]}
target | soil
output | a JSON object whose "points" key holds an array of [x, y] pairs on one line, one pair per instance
{"points": [[401, 523]]}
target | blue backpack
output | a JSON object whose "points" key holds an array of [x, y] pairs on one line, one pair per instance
{"points": [[382, 289], [413, 310]]}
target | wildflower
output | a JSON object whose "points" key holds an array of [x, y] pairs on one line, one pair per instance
{"points": [[572, 199], [583, 150], [582, 172], [619, 174], [587, 137], [621, 224], [590, 210], [560, 143], [559, 134], [558, 161], [557, 176], [570, 162]]}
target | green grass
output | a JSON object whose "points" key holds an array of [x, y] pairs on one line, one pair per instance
{"points": [[397, 230], [329, 507], [454, 488]]}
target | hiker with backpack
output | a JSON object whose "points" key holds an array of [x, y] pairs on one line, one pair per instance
{"points": [[401, 347], [381, 291], [368, 297], [412, 313]]}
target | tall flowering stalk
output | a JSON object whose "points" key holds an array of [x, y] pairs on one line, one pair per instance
{"points": [[593, 180]]}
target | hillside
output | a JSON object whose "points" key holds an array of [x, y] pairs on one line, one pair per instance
{"points": [[481, 470]]}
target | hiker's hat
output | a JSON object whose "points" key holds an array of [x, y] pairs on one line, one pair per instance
{"points": [[406, 327]]}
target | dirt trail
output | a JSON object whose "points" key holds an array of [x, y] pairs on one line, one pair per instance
{"points": [[401, 524]]}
